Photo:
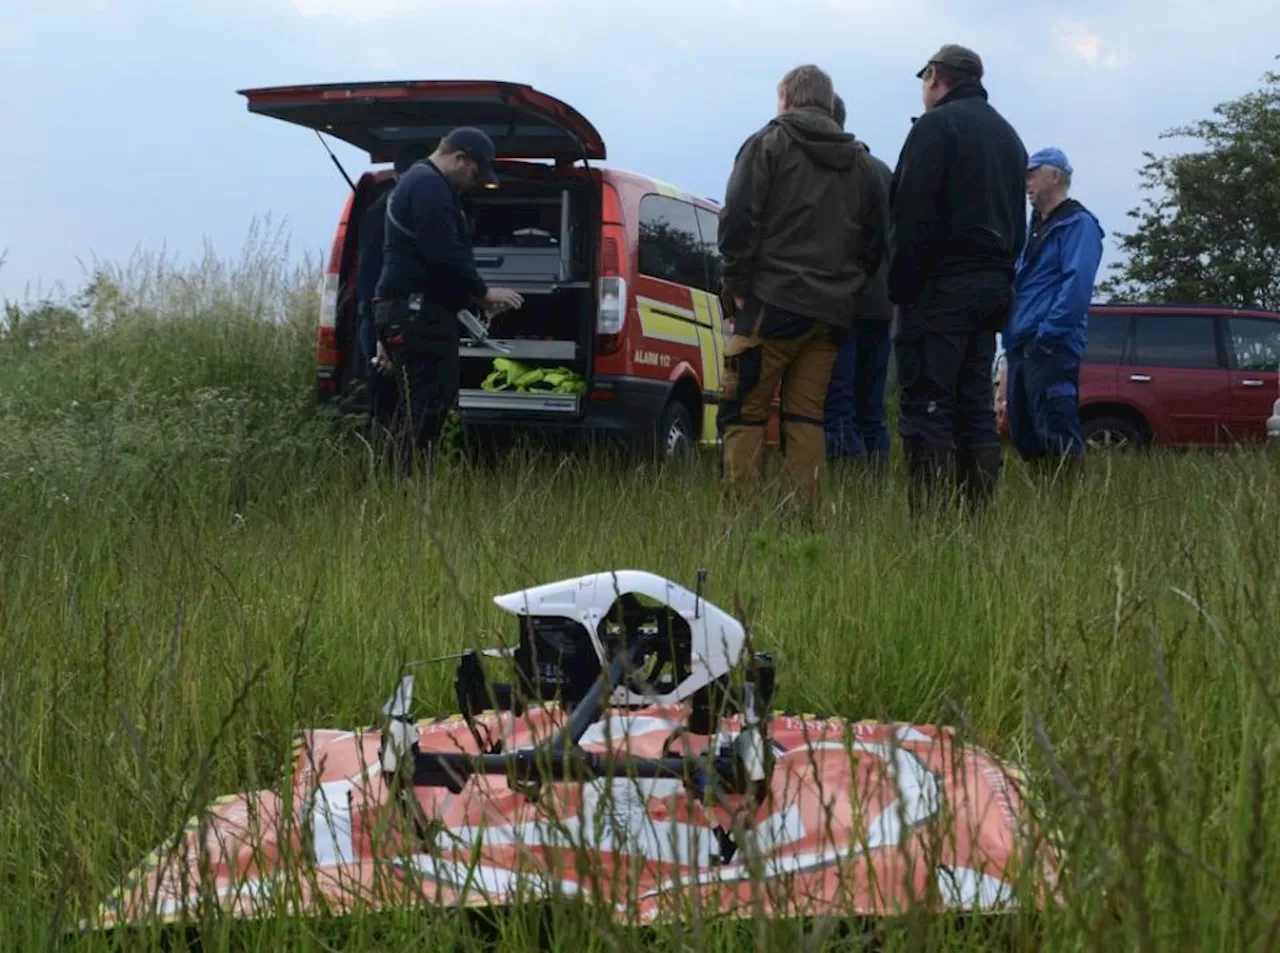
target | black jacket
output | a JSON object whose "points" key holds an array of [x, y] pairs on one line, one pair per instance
{"points": [[873, 301], [427, 247], [802, 224], [959, 195], [369, 244]]}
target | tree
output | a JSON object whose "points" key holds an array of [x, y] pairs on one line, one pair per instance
{"points": [[1210, 233]]}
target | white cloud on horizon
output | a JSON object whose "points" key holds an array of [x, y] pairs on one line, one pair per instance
{"points": [[1082, 42]]}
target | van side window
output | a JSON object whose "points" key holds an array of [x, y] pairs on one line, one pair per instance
{"points": [[709, 224], [670, 247], [1188, 341]]}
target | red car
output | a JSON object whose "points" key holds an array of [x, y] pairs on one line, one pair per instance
{"points": [[1174, 376]]}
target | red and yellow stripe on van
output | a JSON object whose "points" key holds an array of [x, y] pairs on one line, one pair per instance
{"points": [[710, 323], [681, 337]]}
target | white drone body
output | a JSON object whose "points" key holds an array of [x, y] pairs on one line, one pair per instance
{"points": [[717, 644], [718, 638]]}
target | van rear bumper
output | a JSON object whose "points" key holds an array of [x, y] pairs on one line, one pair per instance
{"points": [[623, 410]]}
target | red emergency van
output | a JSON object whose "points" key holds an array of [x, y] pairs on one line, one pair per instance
{"points": [[619, 271]]}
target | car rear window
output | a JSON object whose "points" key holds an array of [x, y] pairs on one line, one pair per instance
{"points": [[1254, 343], [1175, 341]]}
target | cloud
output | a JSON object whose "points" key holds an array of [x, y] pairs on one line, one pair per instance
{"points": [[1078, 39], [1168, 31], [714, 19], [717, 42]]}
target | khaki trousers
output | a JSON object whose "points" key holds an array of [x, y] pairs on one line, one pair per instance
{"points": [[753, 369]]}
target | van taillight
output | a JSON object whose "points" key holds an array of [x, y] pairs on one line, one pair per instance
{"points": [[609, 264], [327, 333], [611, 311], [613, 306], [329, 301]]}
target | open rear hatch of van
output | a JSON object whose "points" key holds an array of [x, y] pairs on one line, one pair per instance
{"points": [[537, 232]]}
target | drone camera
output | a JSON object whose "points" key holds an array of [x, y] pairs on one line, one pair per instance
{"points": [[555, 660]]}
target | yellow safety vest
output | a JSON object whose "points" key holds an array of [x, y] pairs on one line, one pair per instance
{"points": [[512, 375]]}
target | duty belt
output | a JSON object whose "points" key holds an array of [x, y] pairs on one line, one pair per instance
{"points": [[412, 306]]}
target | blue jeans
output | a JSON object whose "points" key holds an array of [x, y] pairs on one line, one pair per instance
{"points": [[854, 418], [1042, 397]]}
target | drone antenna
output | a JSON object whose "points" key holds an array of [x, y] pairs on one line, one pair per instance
{"points": [[702, 581]]}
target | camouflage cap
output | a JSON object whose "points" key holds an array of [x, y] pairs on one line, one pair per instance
{"points": [[959, 58]]}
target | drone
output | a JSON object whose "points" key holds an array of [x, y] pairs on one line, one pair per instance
{"points": [[590, 644]]}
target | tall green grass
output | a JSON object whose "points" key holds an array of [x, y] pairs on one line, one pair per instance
{"points": [[192, 565]]}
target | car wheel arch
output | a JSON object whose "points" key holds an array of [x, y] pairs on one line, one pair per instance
{"points": [[683, 410], [685, 390]]}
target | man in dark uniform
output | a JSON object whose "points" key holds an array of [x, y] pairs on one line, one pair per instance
{"points": [[854, 416], [428, 276], [959, 195], [369, 241]]}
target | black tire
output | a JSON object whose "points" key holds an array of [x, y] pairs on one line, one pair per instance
{"points": [[1112, 434], [676, 436]]}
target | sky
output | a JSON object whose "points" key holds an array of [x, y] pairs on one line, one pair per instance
{"points": [[121, 130]]}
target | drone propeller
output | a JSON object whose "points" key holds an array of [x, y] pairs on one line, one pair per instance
{"points": [[399, 704], [455, 656]]}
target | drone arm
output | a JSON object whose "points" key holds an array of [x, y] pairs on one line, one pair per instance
{"points": [[589, 710], [451, 769]]}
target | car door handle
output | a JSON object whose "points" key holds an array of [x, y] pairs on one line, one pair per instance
{"points": [[1251, 383], [1140, 378]]}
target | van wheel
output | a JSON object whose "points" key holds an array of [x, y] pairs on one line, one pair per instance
{"points": [[675, 432], [1111, 434]]}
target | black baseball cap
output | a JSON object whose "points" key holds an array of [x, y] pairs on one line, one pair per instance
{"points": [[476, 145], [959, 58]]}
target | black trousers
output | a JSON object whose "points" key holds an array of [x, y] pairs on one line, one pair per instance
{"points": [[945, 347], [422, 344]]}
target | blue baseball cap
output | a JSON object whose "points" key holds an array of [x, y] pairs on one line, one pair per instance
{"points": [[1051, 157]]}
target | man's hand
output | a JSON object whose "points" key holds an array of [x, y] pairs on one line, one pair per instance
{"points": [[382, 361], [1046, 346], [502, 299], [730, 303]]}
